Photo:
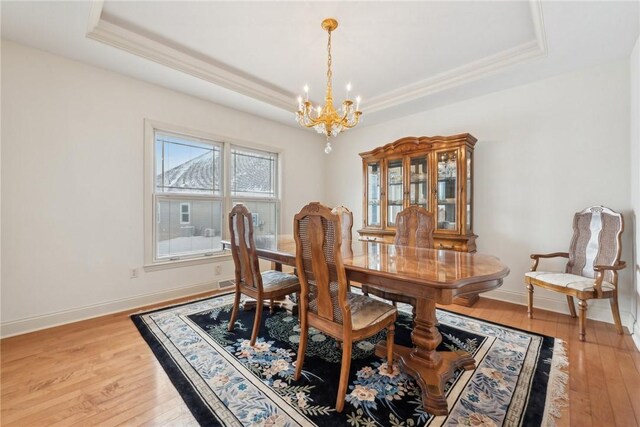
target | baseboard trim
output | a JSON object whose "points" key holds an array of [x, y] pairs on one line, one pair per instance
{"points": [[636, 334], [50, 320], [559, 306]]}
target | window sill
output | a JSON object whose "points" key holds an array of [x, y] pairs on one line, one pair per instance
{"points": [[164, 265]]}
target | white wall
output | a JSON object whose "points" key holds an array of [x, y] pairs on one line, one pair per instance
{"points": [[72, 186], [545, 150], [634, 78]]}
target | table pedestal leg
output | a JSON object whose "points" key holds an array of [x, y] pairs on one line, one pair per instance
{"points": [[431, 368]]}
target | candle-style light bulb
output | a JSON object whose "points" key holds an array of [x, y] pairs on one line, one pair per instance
{"points": [[358, 103], [348, 89], [306, 91], [299, 103]]}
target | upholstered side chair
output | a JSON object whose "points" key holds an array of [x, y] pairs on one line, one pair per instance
{"points": [[249, 280], [414, 227], [592, 267], [325, 302]]}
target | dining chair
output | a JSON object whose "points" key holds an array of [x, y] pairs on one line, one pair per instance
{"points": [[414, 227], [325, 302], [592, 268], [249, 281], [346, 222]]}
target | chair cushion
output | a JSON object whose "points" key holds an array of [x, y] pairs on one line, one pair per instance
{"points": [[566, 280], [364, 310], [273, 280]]}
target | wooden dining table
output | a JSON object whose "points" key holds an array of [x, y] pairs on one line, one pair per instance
{"points": [[431, 276]]}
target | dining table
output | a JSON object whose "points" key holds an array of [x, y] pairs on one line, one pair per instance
{"points": [[430, 276]]}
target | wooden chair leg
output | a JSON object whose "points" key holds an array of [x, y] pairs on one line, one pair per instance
{"points": [[344, 374], [256, 321], [302, 346], [572, 308], [530, 300], [391, 331], [582, 305], [234, 311], [616, 314], [365, 290], [271, 307]]}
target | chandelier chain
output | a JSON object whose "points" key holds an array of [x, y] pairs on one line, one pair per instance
{"points": [[329, 73]]}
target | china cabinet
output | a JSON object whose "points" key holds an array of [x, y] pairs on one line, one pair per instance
{"points": [[433, 172]]}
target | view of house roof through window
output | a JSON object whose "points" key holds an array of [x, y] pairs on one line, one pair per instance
{"points": [[187, 165], [190, 196]]}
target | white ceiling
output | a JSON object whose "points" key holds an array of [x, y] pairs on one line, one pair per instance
{"points": [[400, 56]]}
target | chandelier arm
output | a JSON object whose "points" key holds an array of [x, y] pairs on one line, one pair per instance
{"points": [[349, 125]]}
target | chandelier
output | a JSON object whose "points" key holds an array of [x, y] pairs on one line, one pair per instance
{"points": [[327, 120]]}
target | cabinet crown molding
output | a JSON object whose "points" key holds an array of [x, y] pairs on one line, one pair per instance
{"points": [[411, 143]]}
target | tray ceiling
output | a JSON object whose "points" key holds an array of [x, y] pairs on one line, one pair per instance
{"points": [[399, 56]]}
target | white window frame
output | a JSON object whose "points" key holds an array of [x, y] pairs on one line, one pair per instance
{"points": [[188, 213], [150, 197], [248, 199]]}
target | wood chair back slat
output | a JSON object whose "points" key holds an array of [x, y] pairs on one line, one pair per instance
{"points": [[414, 227], [243, 250], [346, 223]]}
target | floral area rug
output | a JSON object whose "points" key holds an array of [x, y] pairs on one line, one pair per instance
{"points": [[519, 377]]}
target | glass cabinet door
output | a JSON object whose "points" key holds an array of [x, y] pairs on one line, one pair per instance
{"points": [[446, 190], [395, 190], [418, 181], [373, 194]]}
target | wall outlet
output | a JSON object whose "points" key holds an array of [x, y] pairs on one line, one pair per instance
{"points": [[218, 270], [133, 273]]}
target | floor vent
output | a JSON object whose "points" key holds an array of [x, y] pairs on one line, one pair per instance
{"points": [[226, 283]]}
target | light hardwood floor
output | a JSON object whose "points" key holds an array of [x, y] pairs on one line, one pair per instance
{"points": [[100, 371]]}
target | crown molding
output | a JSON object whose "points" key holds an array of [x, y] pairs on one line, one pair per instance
{"points": [[117, 35], [471, 71]]}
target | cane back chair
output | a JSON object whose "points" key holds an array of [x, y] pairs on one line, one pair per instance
{"points": [[414, 227], [346, 223], [592, 267], [250, 281], [325, 302]]}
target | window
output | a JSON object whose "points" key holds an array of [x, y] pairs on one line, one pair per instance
{"points": [[193, 180], [185, 213], [187, 198], [253, 183]]}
